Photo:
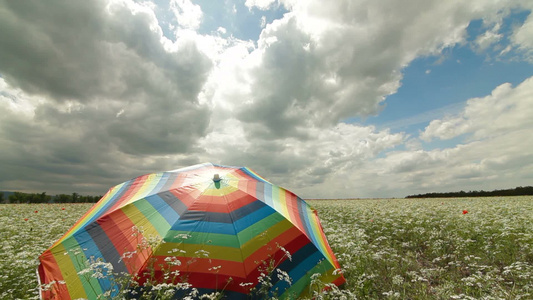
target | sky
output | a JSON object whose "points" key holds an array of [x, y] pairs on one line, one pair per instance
{"points": [[353, 99]]}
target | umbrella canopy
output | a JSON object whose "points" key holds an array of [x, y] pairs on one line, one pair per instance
{"points": [[213, 227]]}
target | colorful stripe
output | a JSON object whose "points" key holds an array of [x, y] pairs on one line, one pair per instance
{"points": [[216, 229]]}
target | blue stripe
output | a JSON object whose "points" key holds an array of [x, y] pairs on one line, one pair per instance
{"points": [[91, 251], [251, 174], [305, 220], [110, 202], [162, 181], [201, 226], [267, 192], [253, 218], [162, 207], [302, 262]]}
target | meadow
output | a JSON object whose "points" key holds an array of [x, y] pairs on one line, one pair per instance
{"points": [[453, 248]]}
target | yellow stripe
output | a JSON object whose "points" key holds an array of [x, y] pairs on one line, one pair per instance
{"points": [[283, 203], [142, 223], [199, 250], [221, 252], [264, 237], [322, 244], [224, 189], [95, 209], [68, 271], [302, 285], [275, 197], [150, 182]]}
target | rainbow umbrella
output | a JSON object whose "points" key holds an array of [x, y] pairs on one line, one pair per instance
{"points": [[208, 227]]}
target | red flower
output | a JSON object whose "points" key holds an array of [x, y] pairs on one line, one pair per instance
{"points": [[26, 219], [62, 208], [36, 211], [465, 212]]}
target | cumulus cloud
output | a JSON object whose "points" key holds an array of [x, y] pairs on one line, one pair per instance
{"points": [[505, 110], [321, 65], [488, 38], [92, 93], [188, 15], [260, 4], [495, 153], [112, 62], [343, 147], [522, 37]]}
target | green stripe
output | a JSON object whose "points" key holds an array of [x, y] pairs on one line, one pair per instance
{"points": [[216, 239], [90, 284], [259, 227], [225, 240], [153, 216], [301, 287]]}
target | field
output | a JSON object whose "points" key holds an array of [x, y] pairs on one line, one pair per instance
{"points": [[462, 248]]}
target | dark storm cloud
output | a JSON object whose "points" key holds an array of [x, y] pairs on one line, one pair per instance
{"points": [[84, 50]]}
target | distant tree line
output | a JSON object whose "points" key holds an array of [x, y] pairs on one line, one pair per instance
{"points": [[518, 191], [18, 197]]}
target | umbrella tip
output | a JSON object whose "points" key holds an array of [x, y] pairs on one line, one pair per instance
{"points": [[216, 178]]}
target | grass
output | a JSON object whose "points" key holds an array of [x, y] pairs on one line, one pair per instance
{"points": [[462, 248], [466, 248]]}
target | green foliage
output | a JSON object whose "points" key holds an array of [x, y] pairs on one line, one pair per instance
{"points": [[19, 197], [518, 191]]}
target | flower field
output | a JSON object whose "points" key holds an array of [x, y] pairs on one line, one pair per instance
{"points": [[462, 248]]}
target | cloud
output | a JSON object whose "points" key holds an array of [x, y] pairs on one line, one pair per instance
{"points": [[93, 93], [114, 53], [495, 153], [188, 15], [343, 147], [490, 37], [92, 85], [507, 109], [321, 65], [260, 4], [112, 62], [522, 37]]}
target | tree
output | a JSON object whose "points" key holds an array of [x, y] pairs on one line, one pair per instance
{"points": [[75, 197]]}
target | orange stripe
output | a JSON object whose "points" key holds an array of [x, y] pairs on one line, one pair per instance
{"points": [[125, 225], [49, 271], [292, 207], [132, 190], [224, 204]]}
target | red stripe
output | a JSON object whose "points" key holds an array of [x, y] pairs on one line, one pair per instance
{"points": [[222, 204], [339, 281], [284, 239], [243, 175], [292, 207], [117, 226], [202, 265], [335, 262], [248, 186], [134, 187], [196, 271], [119, 229], [212, 281], [187, 195], [178, 182], [49, 271]]}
